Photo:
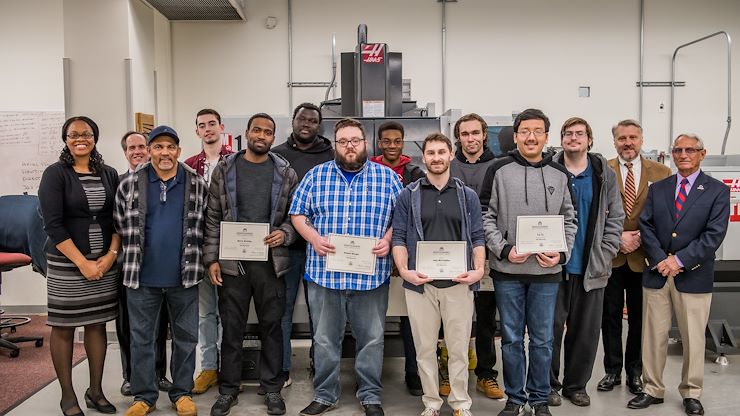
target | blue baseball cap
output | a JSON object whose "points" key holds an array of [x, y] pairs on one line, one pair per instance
{"points": [[163, 131]]}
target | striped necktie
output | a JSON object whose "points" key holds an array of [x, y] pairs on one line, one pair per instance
{"points": [[682, 195], [630, 194]]}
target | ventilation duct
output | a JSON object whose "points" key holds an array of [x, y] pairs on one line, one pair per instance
{"points": [[200, 9]]}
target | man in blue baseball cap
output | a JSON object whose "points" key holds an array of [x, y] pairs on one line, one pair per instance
{"points": [[162, 265]]}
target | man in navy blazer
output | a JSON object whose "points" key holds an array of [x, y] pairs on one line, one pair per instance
{"points": [[682, 225]]}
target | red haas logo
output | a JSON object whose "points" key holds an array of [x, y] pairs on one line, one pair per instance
{"points": [[372, 53]]}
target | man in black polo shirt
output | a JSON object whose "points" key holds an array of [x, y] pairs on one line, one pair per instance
{"points": [[440, 208]]}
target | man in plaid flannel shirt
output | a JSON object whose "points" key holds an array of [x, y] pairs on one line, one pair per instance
{"points": [[159, 214], [349, 196]]}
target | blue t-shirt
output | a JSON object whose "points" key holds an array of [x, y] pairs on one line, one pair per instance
{"points": [[583, 194], [349, 175], [160, 266]]}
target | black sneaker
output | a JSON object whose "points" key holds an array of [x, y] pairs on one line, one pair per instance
{"points": [[315, 408], [275, 404], [164, 384], [554, 398], [373, 410], [541, 410], [413, 384], [512, 409], [223, 405], [126, 388]]}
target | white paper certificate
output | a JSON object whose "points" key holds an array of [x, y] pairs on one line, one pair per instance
{"points": [[540, 233], [441, 259], [243, 241], [353, 254]]}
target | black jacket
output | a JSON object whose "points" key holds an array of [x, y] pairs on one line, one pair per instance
{"points": [[65, 210], [303, 160]]}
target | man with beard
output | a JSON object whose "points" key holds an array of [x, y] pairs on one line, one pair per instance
{"points": [[304, 149], [440, 208], [390, 142], [470, 165], [137, 153], [208, 127], [253, 185], [635, 174], [348, 196]]}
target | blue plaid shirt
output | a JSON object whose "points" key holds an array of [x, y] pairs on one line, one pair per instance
{"points": [[363, 208]]}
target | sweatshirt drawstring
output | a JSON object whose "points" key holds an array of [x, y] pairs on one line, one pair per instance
{"points": [[544, 188], [526, 199]]}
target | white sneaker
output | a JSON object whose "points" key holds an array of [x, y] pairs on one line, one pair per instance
{"points": [[430, 412], [288, 382]]}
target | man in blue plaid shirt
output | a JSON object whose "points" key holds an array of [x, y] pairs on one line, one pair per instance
{"points": [[353, 197]]}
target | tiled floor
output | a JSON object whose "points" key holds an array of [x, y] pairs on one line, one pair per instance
{"points": [[721, 394]]}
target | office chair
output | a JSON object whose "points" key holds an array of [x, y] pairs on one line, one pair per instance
{"points": [[9, 261]]}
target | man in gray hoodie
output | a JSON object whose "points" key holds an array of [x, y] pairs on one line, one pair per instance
{"points": [[526, 283], [581, 294]]}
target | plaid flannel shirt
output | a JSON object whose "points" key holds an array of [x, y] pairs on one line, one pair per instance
{"points": [[363, 208], [130, 218]]}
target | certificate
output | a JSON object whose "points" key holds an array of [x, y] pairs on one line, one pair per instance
{"points": [[540, 233], [353, 254], [243, 241], [441, 259]]}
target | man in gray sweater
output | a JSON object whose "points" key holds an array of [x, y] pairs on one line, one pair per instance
{"points": [[527, 182], [470, 164], [581, 295]]}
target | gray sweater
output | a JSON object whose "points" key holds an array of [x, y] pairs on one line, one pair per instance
{"points": [[513, 186]]}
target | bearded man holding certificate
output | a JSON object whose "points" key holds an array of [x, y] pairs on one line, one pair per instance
{"points": [[439, 249], [343, 209], [248, 232]]}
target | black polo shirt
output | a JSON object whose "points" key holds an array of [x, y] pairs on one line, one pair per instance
{"points": [[441, 219]]}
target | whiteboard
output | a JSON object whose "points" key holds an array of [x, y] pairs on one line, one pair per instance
{"points": [[29, 142]]}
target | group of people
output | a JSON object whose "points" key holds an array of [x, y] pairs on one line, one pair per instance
{"points": [[145, 248]]}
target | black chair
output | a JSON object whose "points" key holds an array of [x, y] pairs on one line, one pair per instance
{"points": [[9, 261]]}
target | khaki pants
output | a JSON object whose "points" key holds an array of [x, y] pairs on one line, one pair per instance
{"points": [[692, 314], [454, 307]]}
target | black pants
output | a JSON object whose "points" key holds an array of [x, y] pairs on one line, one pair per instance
{"points": [[123, 331], [622, 280], [234, 296], [485, 330], [580, 312]]}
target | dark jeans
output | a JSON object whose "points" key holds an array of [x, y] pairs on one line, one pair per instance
{"points": [[409, 350], [485, 330], [580, 312], [144, 306], [292, 278], [123, 331], [622, 280], [234, 296], [529, 306]]}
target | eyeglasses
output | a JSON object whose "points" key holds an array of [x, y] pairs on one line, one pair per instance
{"points": [[162, 192], [526, 133], [74, 135], [343, 142], [579, 134], [691, 151], [388, 142]]}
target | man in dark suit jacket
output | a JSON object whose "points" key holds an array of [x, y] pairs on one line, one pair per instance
{"points": [[682, 225], [634, 175]]}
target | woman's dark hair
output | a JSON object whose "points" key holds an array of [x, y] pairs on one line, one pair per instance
{"points": [[96, 159]]}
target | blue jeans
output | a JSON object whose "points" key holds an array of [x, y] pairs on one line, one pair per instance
{"points": [[530, 305], [209, 325], [365, 311], [144, 306], [292, 283]]}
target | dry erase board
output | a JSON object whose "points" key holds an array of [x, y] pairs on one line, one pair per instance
{"points": [[29, 142]]}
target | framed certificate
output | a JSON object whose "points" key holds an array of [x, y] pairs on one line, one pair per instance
{"points": [[442, 260], [353, 254], [540, 233], [243, 241]]}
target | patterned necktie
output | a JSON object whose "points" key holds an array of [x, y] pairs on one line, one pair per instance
{"points": [[682, 195], [630, 194]]}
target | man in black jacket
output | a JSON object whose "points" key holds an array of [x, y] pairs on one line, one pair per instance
{"points": [[304, 149]]}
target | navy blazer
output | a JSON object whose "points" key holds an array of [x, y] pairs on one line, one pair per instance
{"points": [[694, 237]]}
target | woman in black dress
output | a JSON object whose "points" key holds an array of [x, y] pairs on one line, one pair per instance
{"points": [[77, 198]]}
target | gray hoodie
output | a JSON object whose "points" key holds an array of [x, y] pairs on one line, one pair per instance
{"points": [[512, 187]]}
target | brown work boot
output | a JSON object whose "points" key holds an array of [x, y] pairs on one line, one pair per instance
{"points": [[139, 408], [185, 406], [205, 380], [489, 387], [444, 386]]}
